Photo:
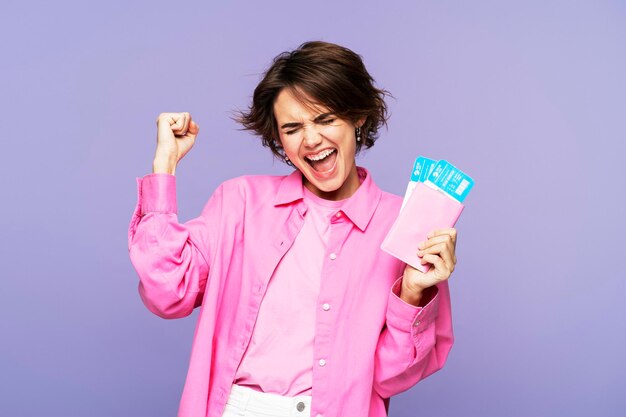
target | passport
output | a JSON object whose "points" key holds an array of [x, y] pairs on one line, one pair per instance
{"points": [[434, 200]]}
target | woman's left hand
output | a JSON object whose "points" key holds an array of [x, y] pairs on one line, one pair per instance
{"points": [[439, 250]]}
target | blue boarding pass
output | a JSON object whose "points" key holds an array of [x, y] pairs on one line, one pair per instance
{"points": [[422, 168], [450, 180]]}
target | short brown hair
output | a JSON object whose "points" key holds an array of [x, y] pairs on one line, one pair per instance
{"points": [[330, 74]]}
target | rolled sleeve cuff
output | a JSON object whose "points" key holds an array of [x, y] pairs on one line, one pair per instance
{"points": [[157, 193], [408, 317]]}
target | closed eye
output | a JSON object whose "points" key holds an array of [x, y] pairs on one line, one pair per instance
{"points": [[322, 119]]}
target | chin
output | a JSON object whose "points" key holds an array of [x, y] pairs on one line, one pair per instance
{"points": [[326, 187]]}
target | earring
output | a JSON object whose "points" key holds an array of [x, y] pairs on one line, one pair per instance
{"points": [[358, 134], [282, 151]]}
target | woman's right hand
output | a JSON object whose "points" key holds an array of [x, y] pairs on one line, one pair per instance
{"points": [[176, 134]]}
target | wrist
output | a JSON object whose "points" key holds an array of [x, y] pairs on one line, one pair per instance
{"points": [[162, 166], [410, 295]]}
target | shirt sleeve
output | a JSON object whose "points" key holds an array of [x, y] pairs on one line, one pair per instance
{"points": [[171, 259], [414, 342]]}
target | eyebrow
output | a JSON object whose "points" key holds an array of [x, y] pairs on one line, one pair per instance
{"points": [[297, 124]]}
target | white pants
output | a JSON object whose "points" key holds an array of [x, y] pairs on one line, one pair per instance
{"points": [[246, 402]]}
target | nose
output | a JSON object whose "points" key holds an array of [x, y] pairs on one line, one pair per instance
{"points": [[312, 136]]}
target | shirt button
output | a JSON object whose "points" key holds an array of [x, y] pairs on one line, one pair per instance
{"points": [[417, 323], [322, 362], [338, 214], [326, 306], [332, 256], [300, 406], [319, 415]]}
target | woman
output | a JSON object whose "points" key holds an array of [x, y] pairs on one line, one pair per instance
{"points": [[301, 313]]}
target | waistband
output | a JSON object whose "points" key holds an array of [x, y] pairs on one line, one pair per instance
{"points": [[247, 399]]}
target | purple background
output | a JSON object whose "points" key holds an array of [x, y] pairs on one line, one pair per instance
{"points": [[527, 97]]}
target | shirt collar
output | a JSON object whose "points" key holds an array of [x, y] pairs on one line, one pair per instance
{"points": [[359, 208]]}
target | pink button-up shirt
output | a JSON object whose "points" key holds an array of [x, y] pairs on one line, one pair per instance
{"points": [[369, 346], [283, 335]]}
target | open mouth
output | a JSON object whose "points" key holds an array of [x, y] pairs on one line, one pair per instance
{"points": [[323, 161]]}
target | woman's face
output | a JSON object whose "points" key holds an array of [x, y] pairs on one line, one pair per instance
{"points": [[321, 145]]}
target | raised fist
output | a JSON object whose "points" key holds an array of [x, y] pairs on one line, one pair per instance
{"points": [[176, 134]]}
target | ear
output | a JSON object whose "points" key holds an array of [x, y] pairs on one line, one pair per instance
{"points": [[360, 122]]}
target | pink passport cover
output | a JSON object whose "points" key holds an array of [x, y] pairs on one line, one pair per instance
{"points": [[426, 210]]}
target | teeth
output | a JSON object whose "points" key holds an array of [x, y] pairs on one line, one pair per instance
{"points": [[321, 155]]}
